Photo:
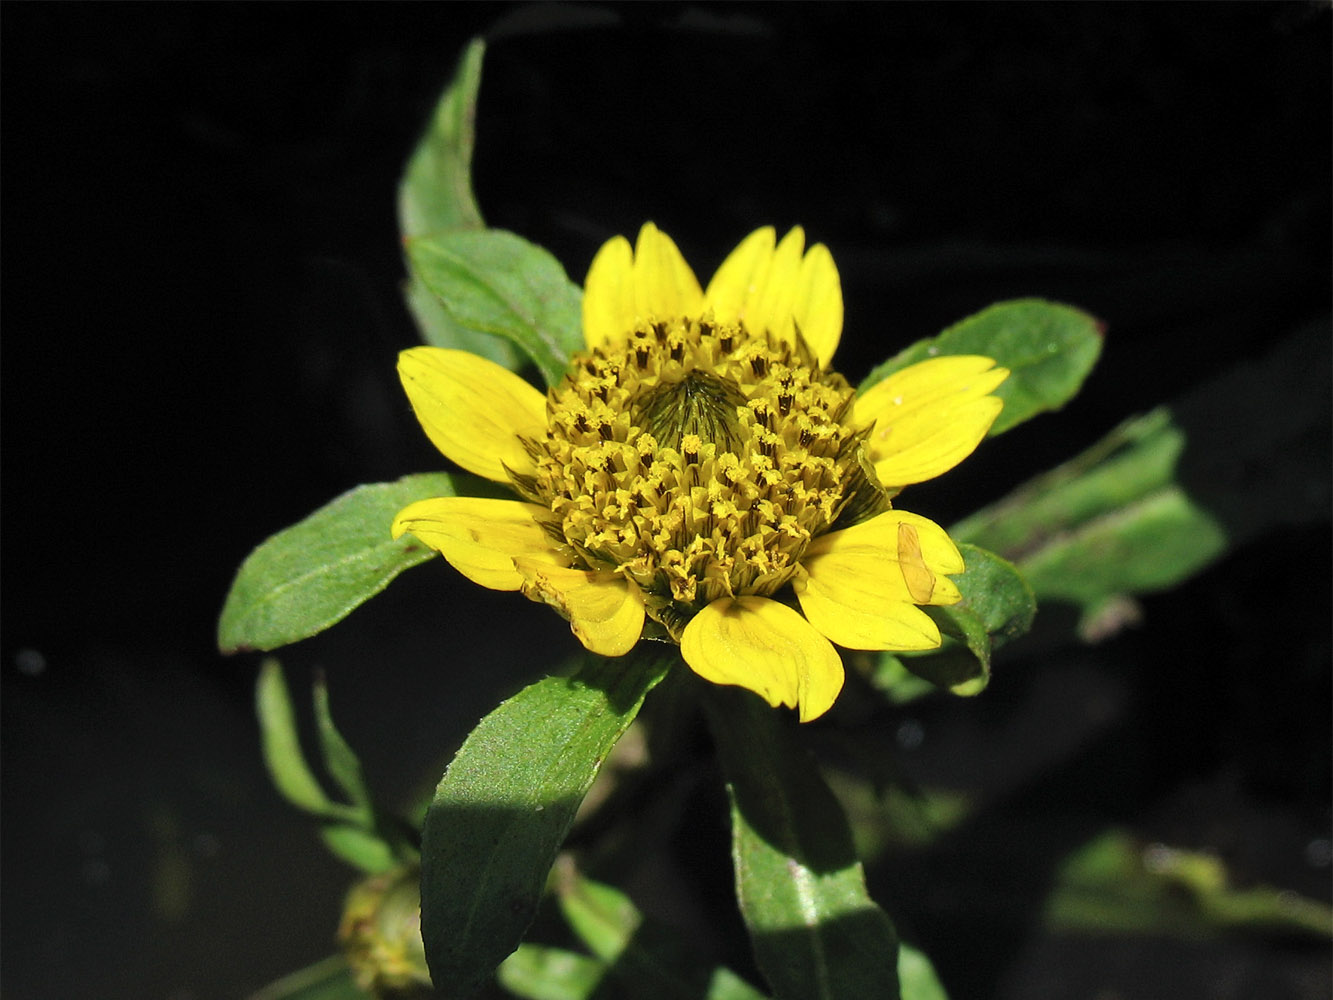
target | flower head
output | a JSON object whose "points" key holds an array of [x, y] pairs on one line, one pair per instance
{"points": [[701, 472]]}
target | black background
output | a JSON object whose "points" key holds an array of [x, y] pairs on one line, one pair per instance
{"points": [[201, 313]]}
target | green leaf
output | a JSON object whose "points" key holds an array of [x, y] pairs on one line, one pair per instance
{"points": [[439, 329], [340, 759], [435, 195], [1166, 493], [281, 746], [1117, 883], [436, 190], [888, 675], [917, 976], [313, 574], [647, 958], [604, 918], [328, 979], [997, 606], [1048, 348], [495, 282], [360, 847], [537, 972], [356, 833], [505, 805], [817, 935], [726, 985], [1110, 521], [1143, 547]]}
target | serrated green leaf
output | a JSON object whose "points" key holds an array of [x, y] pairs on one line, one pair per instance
{"points": [[281, 746], [506, 803], [1048, 348], [916, 976], [817, 935], [494, 282], [436, 190], [537, 972], [313, 574], [997, 606]]}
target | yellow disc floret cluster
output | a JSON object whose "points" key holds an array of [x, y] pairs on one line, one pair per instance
{"points": [[698, 460]]}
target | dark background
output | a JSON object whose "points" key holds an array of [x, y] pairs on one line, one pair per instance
{"points": [[201, 313]]}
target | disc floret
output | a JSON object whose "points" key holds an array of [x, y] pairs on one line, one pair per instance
{"points": [[696, 459]]}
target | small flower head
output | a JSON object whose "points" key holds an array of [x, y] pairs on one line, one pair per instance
{"points": [[700, 472]]}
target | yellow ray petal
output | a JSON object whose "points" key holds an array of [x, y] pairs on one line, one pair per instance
{"points": [[480, 537], [775, 288], [626, 287], [608, 293], [817, 304], [859, 586], [766, 647], [855, 612], [741, 275], [916, 574], [605, 611], [929, 416], [879, 538], [472, 409]]}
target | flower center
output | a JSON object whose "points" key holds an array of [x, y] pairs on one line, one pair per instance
{"points": [[698, 460]]}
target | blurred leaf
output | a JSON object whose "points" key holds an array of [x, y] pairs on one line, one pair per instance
{"points": [[726, 985], [883, 812], [887, 674], [647, 958], [436, 190], [281, 747], [815, 931], [1118, 884], [1153, 544], [327, 979], [360, 847], [1048, 348], [602, 917], [356, 833], [340, 759], [1166, 493], [505, 805], [495, 282], [1134, 460], [311, 575], [917, 977], [536, 972], [997, 606], [1110, 521]]}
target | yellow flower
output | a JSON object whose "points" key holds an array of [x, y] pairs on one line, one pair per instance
{"points": [[700, 472]]}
